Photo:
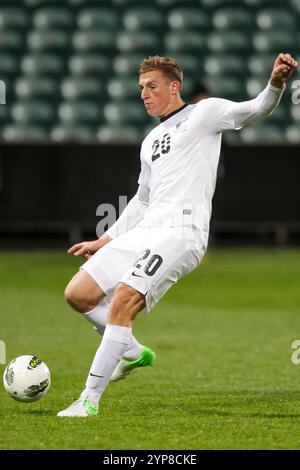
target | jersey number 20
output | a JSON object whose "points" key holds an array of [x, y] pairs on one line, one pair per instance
{"points": [[152, 264]]}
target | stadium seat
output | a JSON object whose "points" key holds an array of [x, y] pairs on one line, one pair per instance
{"points": [[13, 18], [9, 64], [255, 85], [295, 4], [228, 64], [24, 133], [33, 112], [259, 3], [53, 17], [80, 111], [279, 116], [148, 42], [274, 41], [188, 18], [11, 41], [225, 87], [174, 3], [93, 18], [119, 134], [124, 64], [228, 41], [232, 137], [122, 5], [185, 42], [53, 39], [125, 112], [233, 18], [292, 134], [192, 65], [42, 64], [142, 18], [4, 115], [95, 64], [88, 3], [94, 40], [261, 64], [37, 3], [215, 4], [42, 87], [74, 88], [272, 18], [262, 133], [123, 88], [188, 87], [73, 133]]}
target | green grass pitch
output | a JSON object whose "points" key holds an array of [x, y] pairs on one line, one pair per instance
{"points": [[223, 378]]}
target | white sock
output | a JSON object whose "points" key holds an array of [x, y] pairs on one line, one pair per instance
{"points": [[114, 343], [98, 317]]}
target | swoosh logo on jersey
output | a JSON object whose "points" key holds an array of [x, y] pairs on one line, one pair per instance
{"points": [[180, 123], [94, 375], [136, 275]]}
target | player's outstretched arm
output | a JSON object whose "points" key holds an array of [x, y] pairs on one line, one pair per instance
{"points": [[223, 114], [267, 101]]}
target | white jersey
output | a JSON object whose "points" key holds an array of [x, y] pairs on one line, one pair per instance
{"points": [[179, 160]]}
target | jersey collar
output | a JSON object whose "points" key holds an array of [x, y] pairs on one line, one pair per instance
{"points": [[164, 118]]}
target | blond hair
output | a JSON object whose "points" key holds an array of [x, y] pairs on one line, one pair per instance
{"points": [[167, 65]]}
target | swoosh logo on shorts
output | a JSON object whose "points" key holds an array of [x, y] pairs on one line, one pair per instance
{"points": [[94, 375], [136, 275]]}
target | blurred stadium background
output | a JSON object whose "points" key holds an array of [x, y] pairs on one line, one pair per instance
{"points": [[70, 133], [71, 67], [73, 121]]}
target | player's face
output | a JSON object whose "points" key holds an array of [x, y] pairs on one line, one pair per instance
{"points": [[156, 92]]}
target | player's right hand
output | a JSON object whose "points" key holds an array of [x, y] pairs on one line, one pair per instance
{"points": [[87, 249]]}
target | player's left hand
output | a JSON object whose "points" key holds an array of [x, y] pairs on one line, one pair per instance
{"points": [[283, 68], [87, 249]]}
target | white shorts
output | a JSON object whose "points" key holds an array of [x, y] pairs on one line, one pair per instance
{"points": [[150, 260]]}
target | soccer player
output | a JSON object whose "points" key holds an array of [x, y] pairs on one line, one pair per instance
{"points": [[162, 234]]}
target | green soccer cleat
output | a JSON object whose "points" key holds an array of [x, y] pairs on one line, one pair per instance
{"points": [[81, 408], [147, 358]]}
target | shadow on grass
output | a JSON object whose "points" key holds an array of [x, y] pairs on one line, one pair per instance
{"points": [[40, 413]]}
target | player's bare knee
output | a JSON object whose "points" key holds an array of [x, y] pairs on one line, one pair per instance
{"points": [[78, 301], [83, 293], [72, 298]]}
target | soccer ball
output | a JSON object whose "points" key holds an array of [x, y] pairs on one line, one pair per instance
{"points": [[26, 379]]}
